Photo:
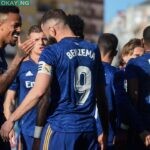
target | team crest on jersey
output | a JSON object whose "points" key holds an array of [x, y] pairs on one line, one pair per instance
{"points": [[29, 73], [149, 61]]}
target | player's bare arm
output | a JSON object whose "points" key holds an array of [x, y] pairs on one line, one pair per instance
{"points": [[41, 85], [43, 106], [7, 77], [9, 103]]}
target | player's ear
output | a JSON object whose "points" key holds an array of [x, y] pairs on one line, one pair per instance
{"points": [[52, 31]]}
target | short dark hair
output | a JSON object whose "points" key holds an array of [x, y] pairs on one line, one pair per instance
{"points": [[9, 9], [76, 24], [54, 14], [34, 28], [146, 34], [108, 42]]}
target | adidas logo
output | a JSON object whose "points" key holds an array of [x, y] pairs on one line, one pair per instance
{"points": [[29, 73]]}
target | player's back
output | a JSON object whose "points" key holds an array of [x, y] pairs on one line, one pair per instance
{"points": [[74, 64], [141, 69]]}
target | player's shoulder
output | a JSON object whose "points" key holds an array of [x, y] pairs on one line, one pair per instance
{"points": [[27, 63], [51, 47], [139, 60], [89, 44], [25, 59], [114, 69], [109, 67], [145, 57]]}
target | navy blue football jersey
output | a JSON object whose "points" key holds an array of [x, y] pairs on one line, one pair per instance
{"points": [[3, 67], [22, 84], [139, 68], [126, 113], [109, 72], [75, 63]]}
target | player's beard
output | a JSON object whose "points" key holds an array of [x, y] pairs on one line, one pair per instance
{"points": [[51, 40]]}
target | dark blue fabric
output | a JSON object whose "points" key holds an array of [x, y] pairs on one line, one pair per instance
{"points": [[52, 140], [75, 63], [22, 84], [126, 113], [139, 68], [109, 89]]}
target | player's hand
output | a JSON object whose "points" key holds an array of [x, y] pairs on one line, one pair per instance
{"points": [[25, 47], [145, 136], [36, 144], [102, 140], [12, 138], [5, 129], [11, 134]]}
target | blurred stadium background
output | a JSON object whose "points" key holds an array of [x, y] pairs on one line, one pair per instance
{"points": [[126, 24]]}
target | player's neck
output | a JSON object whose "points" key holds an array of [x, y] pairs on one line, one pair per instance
{"points": [[64, 34], [34, 57], [106, 59]]}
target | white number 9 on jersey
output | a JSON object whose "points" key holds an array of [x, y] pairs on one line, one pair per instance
{"points": [[82, 83]]}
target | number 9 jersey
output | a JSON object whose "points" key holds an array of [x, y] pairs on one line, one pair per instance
{"points": [[74, 63]]}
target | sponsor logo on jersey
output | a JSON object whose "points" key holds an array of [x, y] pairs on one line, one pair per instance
{"points": [[29, 84]]}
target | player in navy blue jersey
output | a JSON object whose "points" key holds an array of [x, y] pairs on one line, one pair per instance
{"points": [[10, 27], [77, 26], [132, 49], [128, 118], [22, 84], [72, 69], [108, 44], [138, 77]]}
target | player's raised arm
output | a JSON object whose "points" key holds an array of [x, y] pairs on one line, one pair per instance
{"points": [[7, 77]]}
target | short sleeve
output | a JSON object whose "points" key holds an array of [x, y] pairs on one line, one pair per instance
{"points": [[49, 56], [15, 85]]}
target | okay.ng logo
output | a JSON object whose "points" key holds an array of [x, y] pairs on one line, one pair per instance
{"points": [[14, 2]]}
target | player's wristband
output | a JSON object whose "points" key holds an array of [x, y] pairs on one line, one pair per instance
{"points": [[37, 131], [124, 126]]}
